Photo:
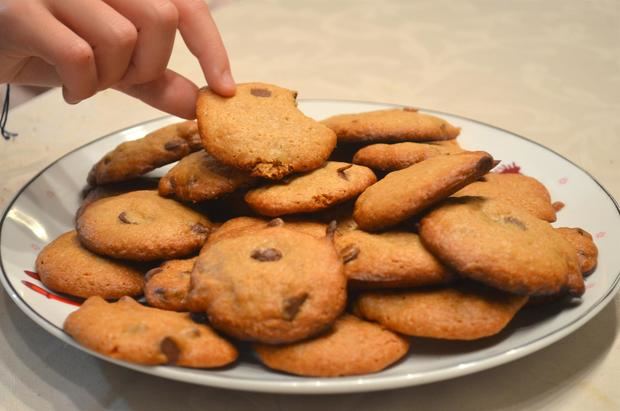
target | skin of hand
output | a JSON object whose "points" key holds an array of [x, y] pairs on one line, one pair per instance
{"points": [[91, 45]]}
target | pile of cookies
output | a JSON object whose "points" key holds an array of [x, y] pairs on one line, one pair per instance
{"points": [[326, 245]]}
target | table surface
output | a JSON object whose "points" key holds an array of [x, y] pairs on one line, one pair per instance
{"points": [[545, 70]]}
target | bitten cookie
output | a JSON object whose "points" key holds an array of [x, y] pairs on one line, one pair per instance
{"points": [[391, 157], [390, 126], [581, 240], [351, 347], [167, 286], [522, 191], [322, 188], [404, 193], [199, 177], [273, 285], [391, 259], [503, 246], [468, 312], [128, 331], [260, 130], [142, 226], [134, 158], [64, 265]]}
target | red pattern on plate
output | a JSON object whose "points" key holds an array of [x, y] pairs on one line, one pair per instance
{"points": [[563, 180], [32, 274], [600, 234], [510, 168], [46, 293]]}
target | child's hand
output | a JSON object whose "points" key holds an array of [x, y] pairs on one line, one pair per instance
{"points": [[90, 45]]}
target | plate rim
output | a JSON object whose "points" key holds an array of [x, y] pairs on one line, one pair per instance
{"points": [[318, 385]]}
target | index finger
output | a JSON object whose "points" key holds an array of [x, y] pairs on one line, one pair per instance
{"points": [[203, 40]]}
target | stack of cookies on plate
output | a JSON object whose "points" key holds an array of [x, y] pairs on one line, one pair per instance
{"points": [[324, 244]]}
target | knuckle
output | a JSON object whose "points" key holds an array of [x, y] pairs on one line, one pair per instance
{"points": [[196, 6], [79, 54], [163, 14], [123, 35]]}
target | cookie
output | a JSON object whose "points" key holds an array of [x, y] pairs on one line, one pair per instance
{"points": [[390, 126], [251, 224], [317, 190], [467, 312], [134, 158], [390, 259], [404, 193], [517, 189], [199, 177], [351, 347], [503, 246], [65, 266], [167, 286], [93, 193], [142, 226], [128, 331], [260, 130], [391, 157], [272, 285], [581, 240]]}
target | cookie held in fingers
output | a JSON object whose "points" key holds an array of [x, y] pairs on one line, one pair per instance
{"points": [[390, 259], [134, 158], [65, 266], [167, 286], [331, 184], [581, 240], [273, 285], [390, 126], [405, 193], [142, 226], [391, 157], [261, 131], [465, 312], [199, 177], [503, 246], [517, 189], [126, 330], [352, 347]]}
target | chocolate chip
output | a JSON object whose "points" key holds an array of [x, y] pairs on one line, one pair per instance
{"points": [[107, 160], [125, 218], [496, 163], [160, 291], [580, 232], [266, 254], [276, 222], [516, 222], [200, 229], [174, 144], [558, 205], [330, 231], [200, 318], [292, 305], [260, 92], [170, 349], [341, 171], [349, 253], [153, 271], [410, 109]]}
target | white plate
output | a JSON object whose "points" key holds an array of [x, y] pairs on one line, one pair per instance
{"points": [[44, 208]]}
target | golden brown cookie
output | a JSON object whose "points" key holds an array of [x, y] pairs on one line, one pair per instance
{"points": [[404, 193], [351, 347], [134, 158], [128, 331], [467, 312], [272, 285], [260, 130], [390, 126], [167, 286], [581, 240], [317, 190], [503, 246], [142, 226], [390, 157], [517, 189], [64, 265], [390, 259], [199, 177]]}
